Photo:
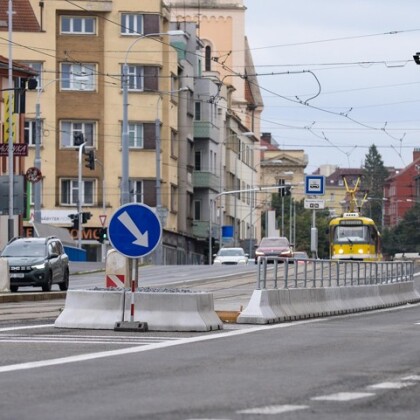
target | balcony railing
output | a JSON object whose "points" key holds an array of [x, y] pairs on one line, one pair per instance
{"points": [[209, 180], [206, 129]]}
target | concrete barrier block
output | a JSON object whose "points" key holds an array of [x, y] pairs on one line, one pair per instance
{"points": [[91, 309], [4, 275], [389, 293], [174, 311], [286, 309], [258, 310]]}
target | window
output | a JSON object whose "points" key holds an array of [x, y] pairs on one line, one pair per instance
{"points": [[197, 111], [70, 192], [70, 129], [142, 78], [30, 132], [32, 192], [37, 66], [197, 210], [174, 143], [135, 135], [77, 76], [131, 24], [197, 162], [136, 191], [75, 25], [174, 198], [208, 58]]}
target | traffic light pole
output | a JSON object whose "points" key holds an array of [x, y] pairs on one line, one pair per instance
{"points": [[79, 199]]}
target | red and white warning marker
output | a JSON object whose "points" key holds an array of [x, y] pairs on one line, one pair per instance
{"points": [[114, 280]]}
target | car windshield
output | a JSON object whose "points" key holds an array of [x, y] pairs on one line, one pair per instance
{"points": [[24, 249], [276, 242], [231, 252]]}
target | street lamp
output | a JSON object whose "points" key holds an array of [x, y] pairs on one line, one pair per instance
{"points": [[125, 194]]}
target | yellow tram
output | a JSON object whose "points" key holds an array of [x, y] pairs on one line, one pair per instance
{"points": [[354, 237]]}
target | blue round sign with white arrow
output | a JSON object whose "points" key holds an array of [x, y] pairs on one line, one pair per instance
{"points": [[134, 230]]}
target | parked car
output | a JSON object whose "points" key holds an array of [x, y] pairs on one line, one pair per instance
{"points": [[38, 262], [275, 246], [231, 256], [300, 256]]}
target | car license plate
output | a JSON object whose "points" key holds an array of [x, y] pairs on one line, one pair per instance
{"points": [[17, 275]]}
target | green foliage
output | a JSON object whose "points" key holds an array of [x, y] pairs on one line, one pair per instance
{"points": [[374, 175], [405, 237]]}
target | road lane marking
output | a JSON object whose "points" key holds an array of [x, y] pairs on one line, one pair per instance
{"points": [[26, 327], [343, 396], [148, 347], [273, 409], [391, 385], [411, 378]]}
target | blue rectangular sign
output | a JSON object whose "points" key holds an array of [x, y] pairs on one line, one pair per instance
{"points": [[315, 185]]}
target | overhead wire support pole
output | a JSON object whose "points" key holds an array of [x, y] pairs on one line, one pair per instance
{"points": [[10, 117], [79, 200]]}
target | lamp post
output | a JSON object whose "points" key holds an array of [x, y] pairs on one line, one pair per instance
{"points": [[125, 194], [10, 118]]}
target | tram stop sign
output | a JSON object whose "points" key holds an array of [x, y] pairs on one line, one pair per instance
{"points": [[134, 230]]}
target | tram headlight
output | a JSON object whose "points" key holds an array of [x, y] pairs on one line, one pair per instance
{"points": [[360, 251], [340, 251]]}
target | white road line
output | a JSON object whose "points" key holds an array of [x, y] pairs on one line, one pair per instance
{"points": [[411, 378], [154, 346], [273, 409], [26, 327], [343, 396], [391, 385]]}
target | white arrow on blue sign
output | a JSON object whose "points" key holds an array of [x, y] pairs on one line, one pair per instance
{"points": [[134, 230]]}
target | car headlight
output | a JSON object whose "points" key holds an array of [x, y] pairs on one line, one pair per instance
{"points": [[216, 261], [259, 253], [40, 266]]}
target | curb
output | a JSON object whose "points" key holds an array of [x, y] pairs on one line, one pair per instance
{"points": [[30, 296]]}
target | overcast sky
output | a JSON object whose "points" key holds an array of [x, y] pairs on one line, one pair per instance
{"points": [[355, 59]]}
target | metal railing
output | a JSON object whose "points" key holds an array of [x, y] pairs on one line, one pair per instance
{"points": [[296, 273]]}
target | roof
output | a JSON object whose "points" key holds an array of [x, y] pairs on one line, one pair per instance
{"points": [[24, 19]]}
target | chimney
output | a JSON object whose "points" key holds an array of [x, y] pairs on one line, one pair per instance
{"points": [[267, 137], [416, 154]]}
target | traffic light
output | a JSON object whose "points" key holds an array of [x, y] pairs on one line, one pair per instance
{"points": [[75, 219], [103, 235], [287, 190], [78, 138], [86, 216], [90, 160]]}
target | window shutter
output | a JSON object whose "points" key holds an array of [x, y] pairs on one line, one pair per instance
{"points": [[151, 24], [149, 195], [151, 79], [149, 136]]}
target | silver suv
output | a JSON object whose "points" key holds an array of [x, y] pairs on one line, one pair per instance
{"points": [[37, 262]]}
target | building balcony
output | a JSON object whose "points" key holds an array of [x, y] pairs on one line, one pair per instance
{"points": [[205, 130], [206, 180], [201, 229], [98, 5]]}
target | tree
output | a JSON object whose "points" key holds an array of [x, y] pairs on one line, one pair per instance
{"points": [[405, 237], [374, 175]]}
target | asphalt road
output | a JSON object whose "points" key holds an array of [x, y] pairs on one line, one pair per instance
{"points": [[364, 366]]}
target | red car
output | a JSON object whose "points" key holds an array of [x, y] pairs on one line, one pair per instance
{"points": [[274, 247]]}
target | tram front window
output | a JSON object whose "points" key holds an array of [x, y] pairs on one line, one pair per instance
{"points": [[351, 234]]}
